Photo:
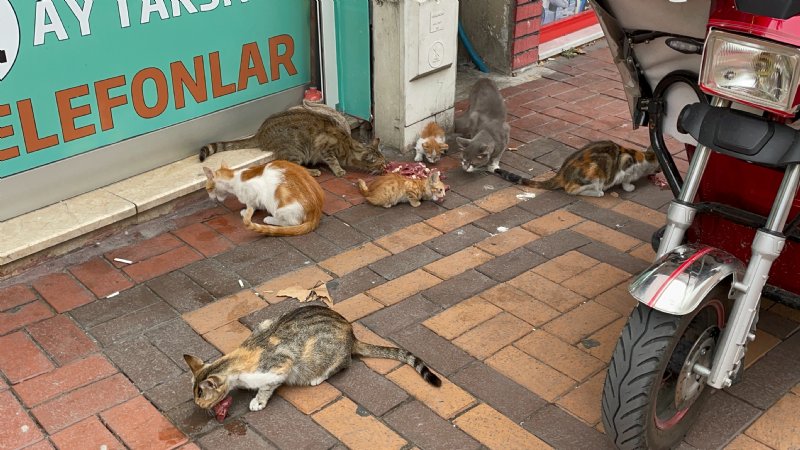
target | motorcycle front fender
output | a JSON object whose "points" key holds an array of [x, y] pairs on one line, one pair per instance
{"points": [[678, 281]]}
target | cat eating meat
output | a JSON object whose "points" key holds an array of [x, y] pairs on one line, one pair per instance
{"points": [[285, 190], [302, 348], [392, 188], [595, 168]]}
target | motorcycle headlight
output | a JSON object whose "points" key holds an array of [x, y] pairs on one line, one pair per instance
{"points": [[750, 70]]}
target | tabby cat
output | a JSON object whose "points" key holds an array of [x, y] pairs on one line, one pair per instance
{"points": [[594, 168], [285, 190], [303, 347], [482, 128], [431, 143], [306, 137], [391, 189]]}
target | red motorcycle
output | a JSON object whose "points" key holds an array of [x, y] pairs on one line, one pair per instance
{"points": [[720, 76]]}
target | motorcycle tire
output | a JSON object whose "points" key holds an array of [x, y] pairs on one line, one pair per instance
{"points": [[638, 405]]}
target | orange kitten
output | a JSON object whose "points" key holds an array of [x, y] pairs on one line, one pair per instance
{"points": [[284, 189], [391, 189], [431, 143]]}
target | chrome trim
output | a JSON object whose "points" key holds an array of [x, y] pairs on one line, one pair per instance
{"points": [[677, 282]]}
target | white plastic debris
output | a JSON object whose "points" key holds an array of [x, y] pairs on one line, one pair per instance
{"points": [[502, 229], [24, 428], [123, 261], [525, 196], [488, 187], [241, 283], [113, 294]]}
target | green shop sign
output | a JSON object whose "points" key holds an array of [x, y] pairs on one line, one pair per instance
{"points": [[76, 75]]}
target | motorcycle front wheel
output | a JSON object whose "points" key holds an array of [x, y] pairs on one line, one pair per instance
{"points": [[651, 394]]}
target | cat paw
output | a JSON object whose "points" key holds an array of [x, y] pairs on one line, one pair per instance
{"points": [[415, 204], [256, 405], [243, 212], [339, 173], [316, 381], [628, 187], [269, 220], [314, 172], [418, 158]]}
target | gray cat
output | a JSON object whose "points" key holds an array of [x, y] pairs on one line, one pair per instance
{"points": [[483, 129]]}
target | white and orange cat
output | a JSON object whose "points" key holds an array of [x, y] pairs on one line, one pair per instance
{"points": [[391, 189], [431, 143], [284, 189]]}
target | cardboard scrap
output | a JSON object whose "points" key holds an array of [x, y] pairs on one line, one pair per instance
{"points": [[318, 292]]}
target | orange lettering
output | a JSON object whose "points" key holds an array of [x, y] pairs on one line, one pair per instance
{"points": [[33, 143], [284, 59], [137, 92], [67, 113], [181, 78], [6, 132], [250, 52], [105, 103], [217, 88]]}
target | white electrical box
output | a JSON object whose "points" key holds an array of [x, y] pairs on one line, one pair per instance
{"points": [[437, 31]]}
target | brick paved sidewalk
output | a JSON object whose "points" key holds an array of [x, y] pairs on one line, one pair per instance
{"points": [[519, 323]]}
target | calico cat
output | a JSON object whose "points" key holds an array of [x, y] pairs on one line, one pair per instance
{"points": [[594, 168], [483, 128], [391, 189], [287, 191], [431, 144], [303, 348], [305, 137]]}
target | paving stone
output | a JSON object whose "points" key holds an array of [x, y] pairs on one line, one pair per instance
{"points": [[438, 353], [273, 312], [458, 262], [492, 335], [558, 243], [396, 317], [100, 277], [79, 404], [521, 305], [566, 266], [240, 438], [403, 287], [161, 264], [541, 147], [722, 417], [140, 425], [423, 427], [228, 337], [459, 318], [561, 430], [766, 381], [314, 246], [776, 325], [606, 235], [552, 222], [384, 224], [308, 277], [356, 307], [287, 427], [204, 239], [401, 263], [457, 239], [649, 196], [458, 288], [131, 325], [342, 419], [257, 251], [62, 292], [231, 226], [64, 379], [447, 401], [548, 383], [503, 243], [360, 213], [262, 271], [407, 238], [104, 309], [508, 218], [368, 389], [16, 295], [192, 420], [341, 233], [778, 427], [20, 358], [215, 278], [224, 311], [495, 430], [453, 200], [744, 442], [596, 280], [17, 430], [88, 433], [23, 315], [180, 291], [641, 213], [503, 394], [614, 257], [61, 339], [309, 399], [557, 354], [354, 283], [581, 322], [477, 188], [603, 216], [456, 218], [547, 202], [508, 266], [143, 363], [354, 259], [171, 392], [143, 250], [638, 230], [584, 401]]}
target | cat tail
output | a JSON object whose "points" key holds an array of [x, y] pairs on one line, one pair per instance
{"points": [[275, 230], [378, 351], [550, 183], [217, 147], [362, 186]]}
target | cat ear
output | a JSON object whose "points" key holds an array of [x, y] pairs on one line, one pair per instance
{"points": [[434, 177], [463, 142], [194, 363], [376, 143], [209, 173], [212, 382], [223, 165]]}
